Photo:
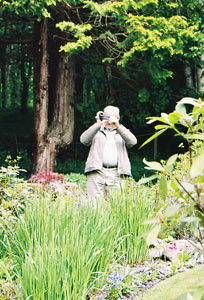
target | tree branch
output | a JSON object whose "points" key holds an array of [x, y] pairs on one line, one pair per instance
{"points": [[14, 41]]}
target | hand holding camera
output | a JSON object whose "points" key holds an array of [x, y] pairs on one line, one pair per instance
{"points": [[104, 119]]}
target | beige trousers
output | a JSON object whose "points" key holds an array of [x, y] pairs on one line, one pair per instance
{"points": [[101, 182]]}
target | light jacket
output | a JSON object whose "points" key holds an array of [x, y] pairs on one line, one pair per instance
{"points": [[95, 137]]}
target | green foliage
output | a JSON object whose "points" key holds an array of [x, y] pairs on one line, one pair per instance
{"points": [[87, 241], [163, 33], [13, 194], [131, 207], [64, 250], [78, 178], [118, 285], [82, 42], [184, 184], [24, 7], [69, 165]]}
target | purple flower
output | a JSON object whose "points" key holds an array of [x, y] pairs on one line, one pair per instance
{"points": [[115, 279]]}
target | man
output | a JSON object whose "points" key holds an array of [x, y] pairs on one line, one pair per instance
{"points": [[108, 161]]}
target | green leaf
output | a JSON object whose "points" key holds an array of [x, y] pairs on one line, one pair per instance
{"points": [[174, 117], [147, 179], [163, 187], [200, 216], [188, 219], [153, 165], [172, 210], [153, 137], [157, 127], [152, 234], [200, 178], [196, 136], [197, 166], [172, 160], [174, 186]]}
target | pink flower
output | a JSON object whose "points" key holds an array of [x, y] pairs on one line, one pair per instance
{"points": [[172, 246]]}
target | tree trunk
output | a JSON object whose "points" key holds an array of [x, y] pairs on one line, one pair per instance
{"points": [[59, 133], [109, 97], [188, 75], [25, 83], [40, 95], [4, 78], [62, 127], [200, 77]]}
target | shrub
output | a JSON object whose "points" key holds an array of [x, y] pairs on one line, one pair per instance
{"points": [[56, 184]]}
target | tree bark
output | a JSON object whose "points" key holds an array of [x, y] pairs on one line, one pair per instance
{"points": [[58, 133], [40, 95], [188, 75], [62, 127]]}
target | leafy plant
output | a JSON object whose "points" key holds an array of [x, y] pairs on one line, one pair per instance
{"points": [[13, 194], [118, 285], [60, 250], [55, 184], [79, 179], [185, 188]]}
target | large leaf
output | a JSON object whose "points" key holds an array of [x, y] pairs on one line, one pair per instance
{"points": [[163, 187], [188, 219], [180, 107], [153, 165], [197, 166], [147, 179], [196, 136], [171, 160], [153, 137], [172, 210], [152, 234]]}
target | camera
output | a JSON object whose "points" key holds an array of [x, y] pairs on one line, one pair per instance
{"points": [[102, 117]]}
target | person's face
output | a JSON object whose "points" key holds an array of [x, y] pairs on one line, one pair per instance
{"points": [[110, 124]]}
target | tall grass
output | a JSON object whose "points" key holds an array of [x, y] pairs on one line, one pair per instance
{"points": [[130, 207], [61, 250]]}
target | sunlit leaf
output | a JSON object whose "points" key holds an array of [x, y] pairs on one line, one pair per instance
{"points": [[153, 137], [188, 219], [180, 107], [172, 210], [172, 160], [147, 179], [153, 165], [196, 136], [163, 187], [152, 234], [157, 127], [174, 117], [197, 166]]}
